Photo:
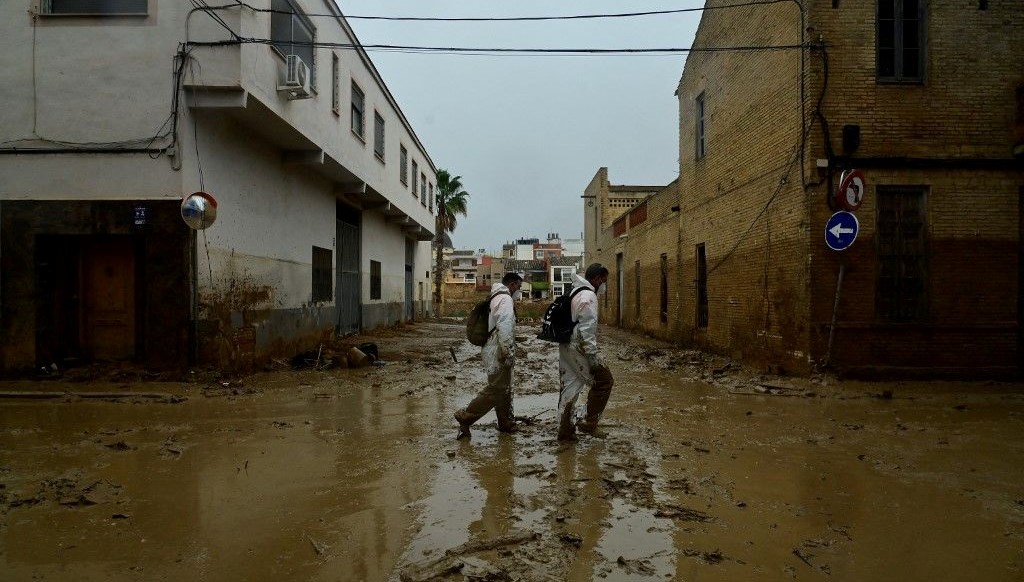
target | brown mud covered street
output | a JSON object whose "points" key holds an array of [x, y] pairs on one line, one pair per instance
{"points": [[704, 471]]}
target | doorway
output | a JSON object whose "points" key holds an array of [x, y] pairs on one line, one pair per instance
{"points": [[347, 280]]}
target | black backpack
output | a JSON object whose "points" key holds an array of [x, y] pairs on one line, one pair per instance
{"points": [[557, 324], [476, 322]]}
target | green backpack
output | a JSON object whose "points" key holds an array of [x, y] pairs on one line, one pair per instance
{"points": [[476, 322]]}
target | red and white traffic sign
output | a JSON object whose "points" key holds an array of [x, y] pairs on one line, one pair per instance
{"points": [[851, 190]]}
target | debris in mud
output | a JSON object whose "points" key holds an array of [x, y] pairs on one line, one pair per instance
{"points": [[960, 407], [636, 566], [120, 446], [319, 547], [120, 516], [68, 491], [170, 448], [682, 513], [454, 560], [571, 539], [714, 557]]}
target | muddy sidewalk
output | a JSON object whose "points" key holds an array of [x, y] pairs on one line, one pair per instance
{"points": [[703, 471]]}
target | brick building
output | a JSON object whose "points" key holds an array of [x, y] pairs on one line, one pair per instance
{"points": [[926, 100]]}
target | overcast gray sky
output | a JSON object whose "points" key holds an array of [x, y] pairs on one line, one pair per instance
{"points": [[527, 133]]}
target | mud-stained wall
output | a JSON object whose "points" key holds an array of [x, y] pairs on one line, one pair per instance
{"points": [[953, 137], [742, 199], [971, 282], [161, 275]]}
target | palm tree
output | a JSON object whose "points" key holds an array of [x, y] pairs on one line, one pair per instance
{"points": [[451, 202]]}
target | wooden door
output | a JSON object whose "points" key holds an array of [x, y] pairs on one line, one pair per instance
{"points": [[108, 292]]}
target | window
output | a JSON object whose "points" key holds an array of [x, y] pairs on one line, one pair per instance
{"points": [[699, 119], [358, 108], [900, 291], [139, 7], [538, 254], [335, 84], [415, 172], [378, 136], [292, 33], [430, 198], [899, 41], [664, 288], [403, 165], [636, 297], [322, 275], [702, 287], [423, 190], [374, 279]]}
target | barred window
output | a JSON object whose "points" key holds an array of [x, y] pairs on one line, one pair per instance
{"points": [[900, 289]]}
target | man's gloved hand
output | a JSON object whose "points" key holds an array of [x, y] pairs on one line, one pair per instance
{"points": [[600, 371]]}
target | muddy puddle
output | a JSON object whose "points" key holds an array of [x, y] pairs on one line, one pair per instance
{"points": [[703, 471]]}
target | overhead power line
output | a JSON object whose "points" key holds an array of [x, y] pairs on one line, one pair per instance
{"points": [[515, 18], [506, 50]]}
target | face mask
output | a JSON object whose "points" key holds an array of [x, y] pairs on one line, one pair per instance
{"points": [[517, 296], [603, 289]]}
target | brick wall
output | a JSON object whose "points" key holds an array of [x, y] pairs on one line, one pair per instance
{"points": [[952, 135], [757, 201], [743, 200], [653, 231]]}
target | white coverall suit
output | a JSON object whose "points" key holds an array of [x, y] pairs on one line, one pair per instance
{"points": [[577, 361], [498, 357]]}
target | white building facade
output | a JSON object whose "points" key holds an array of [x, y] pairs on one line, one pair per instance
{"points": [[116, 110]]}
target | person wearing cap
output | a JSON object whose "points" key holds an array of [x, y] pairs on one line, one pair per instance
{"points": [[498, 356], [579, 361]]}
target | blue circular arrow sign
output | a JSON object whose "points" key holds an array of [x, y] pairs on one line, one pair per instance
{"points": [[841, 230]]}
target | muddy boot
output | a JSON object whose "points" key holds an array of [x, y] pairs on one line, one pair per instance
{"points": [[462, 417], [587, 426], [567, 436]]}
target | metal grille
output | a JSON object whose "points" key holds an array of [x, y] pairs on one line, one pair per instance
{"points": [[348, 277], [900, 290]]}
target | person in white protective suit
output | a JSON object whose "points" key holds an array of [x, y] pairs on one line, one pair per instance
{"points": [[579, 362], [498, 356]]}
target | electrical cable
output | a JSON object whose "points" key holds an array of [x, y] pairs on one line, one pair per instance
{"points": [[503, 50], [512, 18], [783, 180]]}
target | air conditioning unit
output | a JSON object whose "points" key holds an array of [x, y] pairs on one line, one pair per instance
{"points": [[296, 78]]}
